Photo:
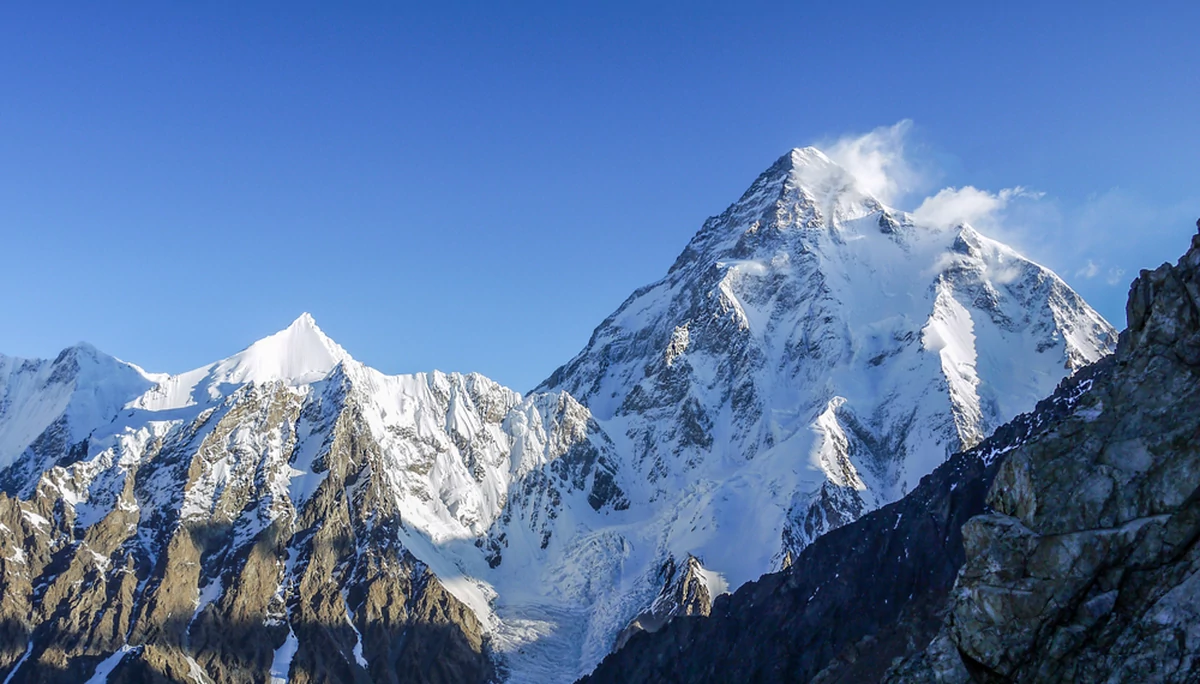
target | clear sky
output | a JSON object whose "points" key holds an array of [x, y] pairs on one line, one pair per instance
{"points": [[470, 186]]}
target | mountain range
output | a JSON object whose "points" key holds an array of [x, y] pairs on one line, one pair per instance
{"points": [[291, 514], [1064, 547]]}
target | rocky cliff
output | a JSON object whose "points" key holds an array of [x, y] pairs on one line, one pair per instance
{"points": [[248, 586], [255, 520]]}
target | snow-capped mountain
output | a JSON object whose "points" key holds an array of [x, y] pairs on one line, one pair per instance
{"points": [[290, 512], [1065, 547], [53, 405], [814, 353]]}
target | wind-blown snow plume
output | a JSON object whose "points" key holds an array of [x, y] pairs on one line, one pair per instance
{"points": [[878, 161]]}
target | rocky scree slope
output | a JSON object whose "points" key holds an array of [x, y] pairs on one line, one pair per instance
{"points": [[1063, 548], [290, 513]]}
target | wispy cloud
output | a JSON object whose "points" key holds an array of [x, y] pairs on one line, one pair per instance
{"points": [[1089, 270], [879, 162], [885, 165], [980, 208]]}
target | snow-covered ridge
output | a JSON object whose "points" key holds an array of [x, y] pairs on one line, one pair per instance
{"points": [[84, 388], [298, 355], [484, 480]]}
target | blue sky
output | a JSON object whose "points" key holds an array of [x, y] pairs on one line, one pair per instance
{"points": [[476, 186]]}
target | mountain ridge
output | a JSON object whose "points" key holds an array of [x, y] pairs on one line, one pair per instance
{"points": [[807, 358]]}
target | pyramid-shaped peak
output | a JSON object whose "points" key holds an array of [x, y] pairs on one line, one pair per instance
{"points": [[811, 172], [298, 354], [304, 326], [807, 176], [304, 320], [303, 329], [800, 159], [816, 172], [809, 156]]}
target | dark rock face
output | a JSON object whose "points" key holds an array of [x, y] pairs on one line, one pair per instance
{"points": [[684, 592], [1063, 548], [857, 598]]}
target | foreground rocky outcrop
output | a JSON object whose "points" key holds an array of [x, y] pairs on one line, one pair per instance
{"points": [[1061, 549]]}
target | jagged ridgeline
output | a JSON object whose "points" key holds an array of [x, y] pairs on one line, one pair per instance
{"points": [[289, 513], [1063, 548]]}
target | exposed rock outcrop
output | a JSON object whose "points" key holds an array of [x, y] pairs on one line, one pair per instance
{"points": [[253, 585], [685, 592]]}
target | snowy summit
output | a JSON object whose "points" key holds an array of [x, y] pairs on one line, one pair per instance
{"points": [[299, 354]]}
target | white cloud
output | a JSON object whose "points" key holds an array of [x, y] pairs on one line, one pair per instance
{"points": [[1006, 275], [1098, 239], [968, 204], [882, 163], [1090, 270], [877, 160]]}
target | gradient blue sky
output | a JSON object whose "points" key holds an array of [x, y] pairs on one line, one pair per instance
{"points": [[476, 186]]}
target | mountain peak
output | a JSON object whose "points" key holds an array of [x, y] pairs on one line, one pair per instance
{"points": [[803, 161], [304, 321], [300, 353], [804, 188], [85, 357], [84, 348], [835, 189], [809, 156]]}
